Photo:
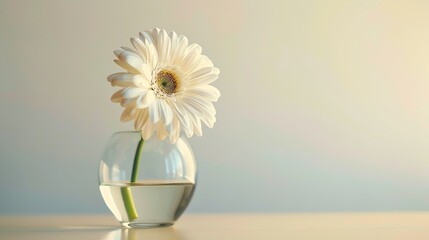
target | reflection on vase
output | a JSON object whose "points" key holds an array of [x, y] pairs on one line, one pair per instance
{"points": [[136, 234]]}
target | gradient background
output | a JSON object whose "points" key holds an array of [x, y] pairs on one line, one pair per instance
{"points": [[324, 104]]}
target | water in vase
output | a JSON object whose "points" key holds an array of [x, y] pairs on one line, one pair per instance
{"points": [[150, 203]]}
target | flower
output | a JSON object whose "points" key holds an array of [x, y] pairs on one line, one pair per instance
{"points": [[166, 85]]}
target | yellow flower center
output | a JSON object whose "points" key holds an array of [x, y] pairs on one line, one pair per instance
{"points": [[167, 82]]}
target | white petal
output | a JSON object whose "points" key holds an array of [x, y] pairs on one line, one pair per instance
{"points": [[201, 72], [122, 79], [126, 102], [141, 119], [216, 70], [174, 42], [154, 111], [195, 121], [189, 61], [152, 53], [129, 60], [141, 81], [201, 77], [179, 51], [129, 80], [128, 114], [202, 61], [140, 47], [165, 112], [117, 96], [163, 46], [136, 116], [205, 61], [125, 66], [161, 131], [197, 128], [199, 105], [203, 80], [198, 61], [155, 35], [207, 122], [194, 47], [207, 92], [133, 92], [183, 118], [174, 130], [130, 50], [147, 130], [147, 71], [146, 99], [200, 109], [146, 37]]}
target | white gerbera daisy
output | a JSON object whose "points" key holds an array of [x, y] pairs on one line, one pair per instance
{"points": [[166, 85]]}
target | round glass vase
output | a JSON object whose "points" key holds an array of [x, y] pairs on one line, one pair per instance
{"points": [[147, 183]]}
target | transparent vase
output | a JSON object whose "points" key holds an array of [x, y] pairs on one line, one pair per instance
{"points": [[147, 183]]}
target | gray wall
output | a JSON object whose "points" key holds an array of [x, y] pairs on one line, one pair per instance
{"points": [[324, 104]]}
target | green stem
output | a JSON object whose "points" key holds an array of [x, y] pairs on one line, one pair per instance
{"points": [[137, 161], [129, 205], [126, 191]]}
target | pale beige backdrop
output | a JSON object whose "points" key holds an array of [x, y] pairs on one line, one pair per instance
{"points": [[324, 104]]}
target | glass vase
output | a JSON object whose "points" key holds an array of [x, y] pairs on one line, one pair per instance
{"points": [[147, 183]]}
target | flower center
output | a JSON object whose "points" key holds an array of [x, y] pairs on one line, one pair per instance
{"points": [[166, 82]]}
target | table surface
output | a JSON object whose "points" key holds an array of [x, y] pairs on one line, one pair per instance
{"points": [[405, 225]]}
